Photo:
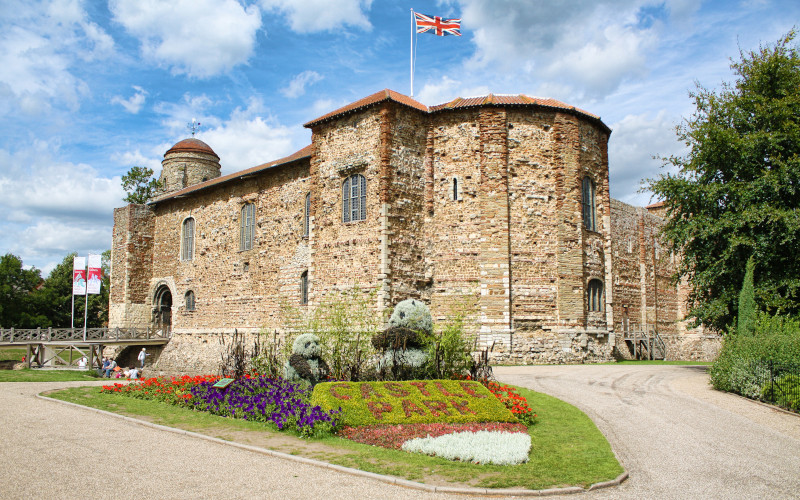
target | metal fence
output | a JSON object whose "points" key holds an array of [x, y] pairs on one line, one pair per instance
{"points": [[778, 384]]}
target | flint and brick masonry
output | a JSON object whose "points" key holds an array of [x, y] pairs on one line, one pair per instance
{"points": [[498, 206]]}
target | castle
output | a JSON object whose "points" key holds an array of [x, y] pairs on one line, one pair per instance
{"points": [[501, 202]]}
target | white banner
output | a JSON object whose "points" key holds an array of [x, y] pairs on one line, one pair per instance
{"points": [[95, 276], [79, 276]]}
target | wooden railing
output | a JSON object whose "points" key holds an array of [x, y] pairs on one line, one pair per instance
{"points": [[14, 335]]}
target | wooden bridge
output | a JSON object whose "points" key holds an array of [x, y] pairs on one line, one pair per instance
{"points": [[65, 347]]}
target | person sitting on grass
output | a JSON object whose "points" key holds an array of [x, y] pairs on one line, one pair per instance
{"points": [[133, 374], [111, 366]]}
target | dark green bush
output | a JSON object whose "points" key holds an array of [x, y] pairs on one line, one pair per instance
{"points": [[742, 365], [784, 391]]}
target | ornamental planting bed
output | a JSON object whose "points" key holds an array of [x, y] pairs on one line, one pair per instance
{"points": [[470, 413], [566, 447]]}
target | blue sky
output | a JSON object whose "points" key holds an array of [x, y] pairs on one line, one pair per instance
{"points": [[89, 89]]}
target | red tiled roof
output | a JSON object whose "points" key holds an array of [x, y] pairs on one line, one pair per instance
{"points": [[508, 100], [299, 155], [191, 145], [370, 100], [657, 204], [458, 103]]}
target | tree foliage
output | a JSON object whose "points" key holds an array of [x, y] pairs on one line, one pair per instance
{"points": [[736, 193], [28, 301], [20, 302], [747, 302], [140, 185]]}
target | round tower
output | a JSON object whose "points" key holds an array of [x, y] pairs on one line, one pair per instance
{"points": [[188, 162]]}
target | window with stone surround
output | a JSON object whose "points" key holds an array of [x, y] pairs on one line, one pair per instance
{"points": [[354, 198], [187, 239], [306, 215], [304, 288], [589, 213], [594, 296], [189, 298], [247, 226]]}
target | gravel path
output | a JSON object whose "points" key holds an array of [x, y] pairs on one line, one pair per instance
{"points": [[676, 436]]}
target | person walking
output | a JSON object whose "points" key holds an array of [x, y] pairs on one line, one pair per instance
{"points": [[142, 356]]}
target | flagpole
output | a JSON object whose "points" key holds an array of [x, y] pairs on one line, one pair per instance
{"points": [[412, 52], [86, 305]]}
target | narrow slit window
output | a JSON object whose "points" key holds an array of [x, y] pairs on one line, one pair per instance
{"points": [[307, 215], [588, 199], [187, 239], [304, 288], [247, 227], [189, 300]]}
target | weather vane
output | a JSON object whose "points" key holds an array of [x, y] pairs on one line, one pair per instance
{"points": [[194, 126]]}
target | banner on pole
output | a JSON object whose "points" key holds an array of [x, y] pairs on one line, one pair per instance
{"points": [[95, 274], [79, 276]]}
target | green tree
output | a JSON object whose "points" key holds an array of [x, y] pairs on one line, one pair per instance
{"points": [[20, 303], [736, 193], [58, 290], [140, 185], [747, 302]]}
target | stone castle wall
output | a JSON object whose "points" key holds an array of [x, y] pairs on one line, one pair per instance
{"points": [[475, 211], [235, 288]]}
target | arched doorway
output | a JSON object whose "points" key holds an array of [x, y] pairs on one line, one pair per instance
{"points": [[162, 308]]}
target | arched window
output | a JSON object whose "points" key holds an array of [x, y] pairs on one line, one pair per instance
{"points": [[589, 213], [187, 239], [189, 298], [247, 227], [304, 288], [307, 215], [354, 198], [594, 295]]}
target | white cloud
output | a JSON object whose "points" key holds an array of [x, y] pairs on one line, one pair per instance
{"points": [[447, 89], [134, 103], [201, 38], [44, 221], [246, 139], [297, 86], [588, 46], [308, 16], [41, 46], [635, 140]]}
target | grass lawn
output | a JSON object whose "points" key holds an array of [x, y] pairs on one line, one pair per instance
{"points": [[658, 362], [12, 353], [47, 375], [567, 449]]}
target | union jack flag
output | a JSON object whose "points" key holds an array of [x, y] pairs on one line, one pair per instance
{"points": [[440, 27]]}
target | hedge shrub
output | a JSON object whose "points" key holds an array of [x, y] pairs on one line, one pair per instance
{"points": [[410, 402]]}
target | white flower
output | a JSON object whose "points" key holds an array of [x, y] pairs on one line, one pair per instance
{"points": [[481, 447]]}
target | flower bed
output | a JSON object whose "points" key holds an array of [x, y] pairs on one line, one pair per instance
{"points": [[416, 401], [256, 398], [481, 447], [394, 435]]}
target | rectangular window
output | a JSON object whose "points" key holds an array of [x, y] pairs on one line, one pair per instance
{"points": [[304, 288], [187, 239], [248, 227], [589, 214], [307, 215]]}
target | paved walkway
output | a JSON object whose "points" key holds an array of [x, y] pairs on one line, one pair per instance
{"points": [[677, 438]]}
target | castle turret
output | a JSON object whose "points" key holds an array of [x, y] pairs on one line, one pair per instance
{"points": [[189, 162]]}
